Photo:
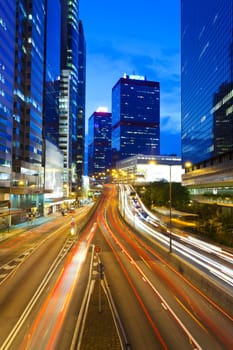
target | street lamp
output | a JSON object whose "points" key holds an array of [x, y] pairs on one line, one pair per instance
{"points": [[9, 204], [187, 166], [170, 208]]}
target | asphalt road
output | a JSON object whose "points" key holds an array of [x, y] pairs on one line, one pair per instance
{"points": [[157, 307]]}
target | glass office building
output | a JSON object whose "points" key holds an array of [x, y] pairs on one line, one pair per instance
{"points": [[81, 105], [135, 117], [206, 79], [28, 89], [52, 72], [65, 128], [207, 100], [99, 142], [51, 112], [70, 61], [7, 51]]}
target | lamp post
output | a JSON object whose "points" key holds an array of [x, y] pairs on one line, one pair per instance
{"points": [[170, 208], [9, 213], [9, 204]]}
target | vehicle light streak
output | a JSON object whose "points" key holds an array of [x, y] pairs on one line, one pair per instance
{"points": [[189, 335], [148, 248], [204, 246], [207, 263], [45, 330], [132, 285], [227, 342], [222, 272], [191, 315], [210, 248], [116, 223]]}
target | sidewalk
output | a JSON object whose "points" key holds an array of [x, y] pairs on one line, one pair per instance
{"points": [[24, 226]]}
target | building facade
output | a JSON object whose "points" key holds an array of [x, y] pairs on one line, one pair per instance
{"points": [[42, 99], [206, 79], [65, 128], [207, 99], [135, 117], [52, 72], [51, 111], [27, 176], [81, 106], [7, 59], [54, 176], [146, 169], [73, 50], [99, 143]]}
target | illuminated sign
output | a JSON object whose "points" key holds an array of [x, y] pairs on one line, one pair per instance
{"points": [[137, 77], [102, 109]]}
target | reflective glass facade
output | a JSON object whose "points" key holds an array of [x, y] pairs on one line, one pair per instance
{"points": [[52, 71], [135, 117], [51, 112], [7, 47], [99, 142], [206, 78], [70, 61], [81, 104], [29, 83], [53, 39], [65, 124]]}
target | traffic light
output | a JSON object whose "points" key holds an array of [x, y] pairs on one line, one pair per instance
{"points": [[72, 227], [101, 270]]}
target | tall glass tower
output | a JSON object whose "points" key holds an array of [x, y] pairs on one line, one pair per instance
{"points": [[52, 71], [27, 176], [28, 89], [7, 59], [206, 79], [135, 117], [70, 56], [81, 105], [99, 142]]}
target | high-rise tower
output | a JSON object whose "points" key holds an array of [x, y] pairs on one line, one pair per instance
{"points": [[206, 79], [28, 88], [135, 117], [99, 142], [27, 177], [207, 99], [52, 71], [72, 52], [7, 59], [81, 105]]}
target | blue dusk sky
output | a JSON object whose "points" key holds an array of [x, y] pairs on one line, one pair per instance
{"points": [[134, 37]]}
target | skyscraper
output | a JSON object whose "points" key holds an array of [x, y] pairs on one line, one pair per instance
{"points": [[52, 71], [28, 88], [7, 58], [135, 117], [99, 142], [81, 105], [206, 79], [51, 111], [207, 99], [65, 127], [73, 50], [27, 142]]}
